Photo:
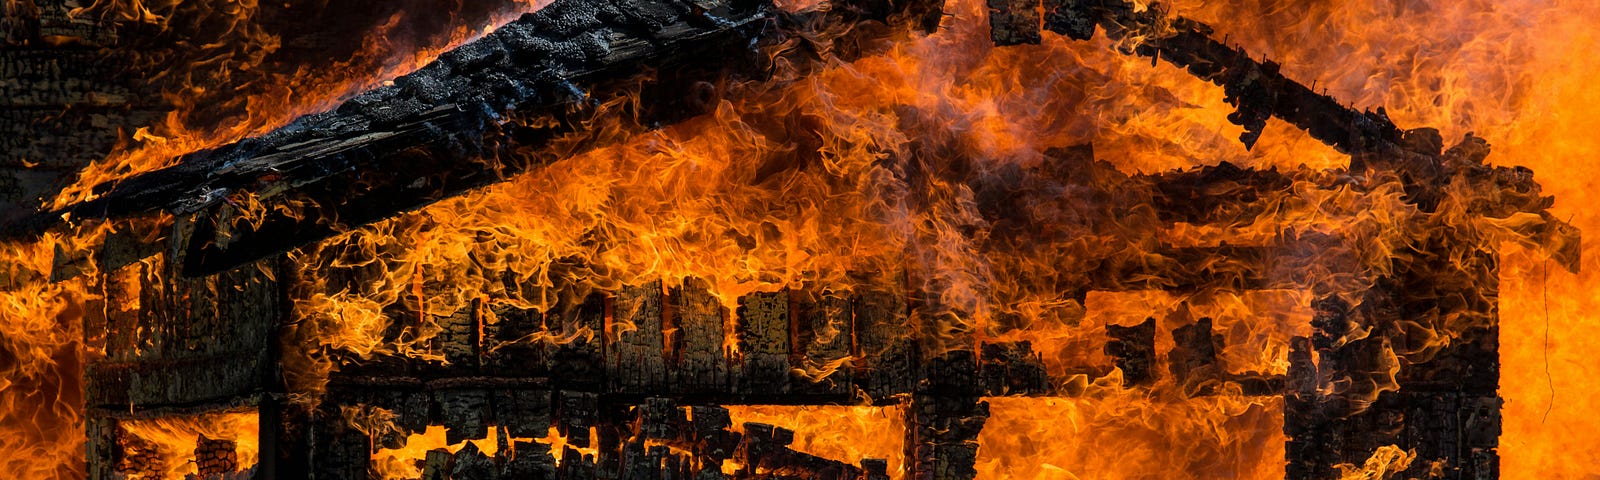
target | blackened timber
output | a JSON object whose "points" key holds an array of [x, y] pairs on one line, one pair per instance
{"points": [[580, 359], [1258, 91], [1134, 350], [470, 462], [465, 413], [1014, 22], [509, 334], [1012, 369], [532, 460], [339, 450], [1255, 88], [460, 339], [191, 341], [765, 451], [522, 87], [1193, 359], [886, 350], [823, 336], [763, 326], [101, 447], [701, 364], [636, 357], [944, 418]]}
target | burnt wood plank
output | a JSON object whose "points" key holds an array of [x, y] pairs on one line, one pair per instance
{"points": [[942, 436], [459, 338], [575, 465], [465, 413], [339, 450], [172, 341], [101, 448], [635, 360], [823, 338], [470, 462], [531, 460], [524, 413], [713, 443], [511, 340], [578, 323], [577, 412], [763, 331], [884, 344], [1012, 369], [765, 451], [944, 417], [702, 366], [436, 464]]}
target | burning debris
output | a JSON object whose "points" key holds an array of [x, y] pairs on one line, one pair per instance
{"points": [[650, 239]]}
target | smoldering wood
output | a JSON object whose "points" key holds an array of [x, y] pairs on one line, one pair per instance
{"points": [[139, 458], [506, 331], [463, 412], [766, 449], [460, 339], [582, 357], [532, 460], [470, 462], [436, 464]]}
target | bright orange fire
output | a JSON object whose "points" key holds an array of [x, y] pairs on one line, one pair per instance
{"points": [[174, 439], [877, 166], [403, 463], [843, 433]]}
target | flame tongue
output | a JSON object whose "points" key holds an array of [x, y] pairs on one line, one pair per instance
{"points": [[856, 166]]}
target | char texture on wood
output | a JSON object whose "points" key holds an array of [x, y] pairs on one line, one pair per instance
{"points": [[451, 125], [1258, 90]]}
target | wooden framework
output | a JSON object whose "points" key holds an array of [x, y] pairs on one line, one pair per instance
{"points": [[627, 385], [215, 342]]}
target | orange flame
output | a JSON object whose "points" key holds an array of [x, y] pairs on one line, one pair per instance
{"points": [[878, 166], [174, 439], [842, 433]]}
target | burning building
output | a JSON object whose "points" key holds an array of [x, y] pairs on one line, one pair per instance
{"points": [[833, 240]]}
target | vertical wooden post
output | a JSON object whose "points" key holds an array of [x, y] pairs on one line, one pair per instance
{"points": [[944, 419]]}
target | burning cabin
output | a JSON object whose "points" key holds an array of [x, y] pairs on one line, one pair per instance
{"points": [[357, 293]]}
